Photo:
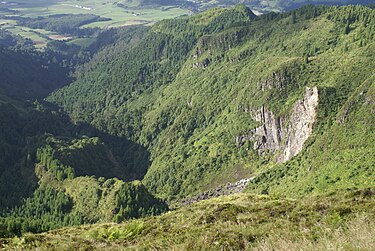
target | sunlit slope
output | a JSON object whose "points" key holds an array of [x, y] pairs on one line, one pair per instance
{"points": [[238, 222], [195, 97]]}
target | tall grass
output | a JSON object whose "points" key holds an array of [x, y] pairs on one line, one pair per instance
{"points": [[357, 234]]}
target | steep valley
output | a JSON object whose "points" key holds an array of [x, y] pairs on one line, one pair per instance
{"points": [[244, 94], [119, 151]]}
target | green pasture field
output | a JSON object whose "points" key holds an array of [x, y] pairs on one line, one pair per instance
{"points": [[39, 41], [82, 42], [5, 22], [120, 16], [109, 9]]}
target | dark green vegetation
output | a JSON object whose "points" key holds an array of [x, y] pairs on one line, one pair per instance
{"points": [[73, 176], [343, 220], [28, 75], [192, 92], [78, 201], [178, 106], [54, 173], [63, 24], [43, 21], [265, 6], [81, 16]]}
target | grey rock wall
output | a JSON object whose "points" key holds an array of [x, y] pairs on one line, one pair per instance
{"points": [[300, 125], [283, 135]]}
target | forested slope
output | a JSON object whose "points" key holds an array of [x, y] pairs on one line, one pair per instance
{"points": [[185, 106], [224, 95], [54, 172], [286, 5], [68, 179]]}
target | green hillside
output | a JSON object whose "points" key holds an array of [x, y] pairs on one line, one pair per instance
{"points": [[46, 21], [340, 157], [31, 78], [266, 6], [343, 220], [54, 172], [157, 114], [49, 182], [194, 99]]}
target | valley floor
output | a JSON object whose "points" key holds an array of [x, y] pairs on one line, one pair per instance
{"points": [[343, 220]]}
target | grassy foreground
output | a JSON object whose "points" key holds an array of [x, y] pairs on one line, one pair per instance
{"points": [[343, 220]]}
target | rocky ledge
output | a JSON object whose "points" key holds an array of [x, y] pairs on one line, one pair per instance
{"points": [[227, 189]]}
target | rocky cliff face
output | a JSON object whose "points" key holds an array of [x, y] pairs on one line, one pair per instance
{"points": [[283, 135], [300, 124]]}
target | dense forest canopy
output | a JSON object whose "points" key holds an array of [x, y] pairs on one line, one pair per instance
{"points": [[192, 98], [45, 157]]}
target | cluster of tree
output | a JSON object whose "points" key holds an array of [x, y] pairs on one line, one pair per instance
{"points": [[352, 16], [62, 23], [28, 74], [64, 157], [50, 208], [7, 11], [26, 141], [28, 150], [184, 90], [263, 6], [49, 163], [46, 209], [134, 201], [290, 4], [9, 40], [170, 42], [28, 155]]}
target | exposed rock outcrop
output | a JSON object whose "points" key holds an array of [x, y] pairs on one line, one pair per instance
{"points": [[227, 189], [203, 64], [223, 41], [277, 80], [283, 135], [300, 125], [212, 44]]}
